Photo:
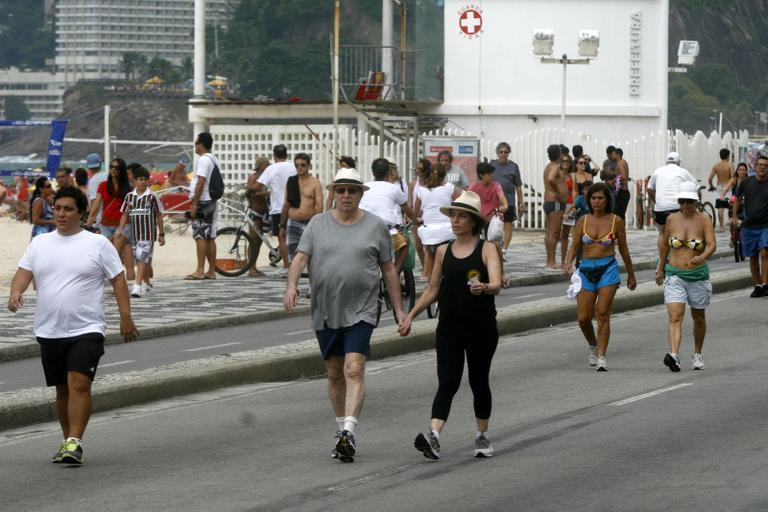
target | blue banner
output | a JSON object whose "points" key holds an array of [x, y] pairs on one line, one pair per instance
{"points": [[55, 141]]}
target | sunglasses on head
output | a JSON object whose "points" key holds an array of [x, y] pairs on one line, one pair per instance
{"points": [[346, 190]]}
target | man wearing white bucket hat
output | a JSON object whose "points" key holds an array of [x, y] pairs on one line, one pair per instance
{"points": [[347, 249]]}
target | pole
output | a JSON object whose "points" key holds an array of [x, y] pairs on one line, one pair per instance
{"points": [[562, 103], [387, 43], [720, 127], [403, 43], [107, 149], [335, 72], [199, 62]]}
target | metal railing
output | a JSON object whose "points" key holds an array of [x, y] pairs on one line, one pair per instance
{"points": [[374, 73]]}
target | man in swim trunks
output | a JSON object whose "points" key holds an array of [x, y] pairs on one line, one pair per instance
{"points": [[723, 170], [555, 201]]}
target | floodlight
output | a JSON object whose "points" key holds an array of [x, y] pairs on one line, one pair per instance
{"points": [[543, 41], [589, 42], [687, 53]]}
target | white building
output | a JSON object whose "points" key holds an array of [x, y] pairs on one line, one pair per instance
{"points": [[93, 35], [41, 91]]}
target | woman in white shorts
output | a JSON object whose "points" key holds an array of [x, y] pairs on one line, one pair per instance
{"points": [[688, 240], [435, 228]]}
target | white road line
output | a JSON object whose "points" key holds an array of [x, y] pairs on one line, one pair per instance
{"points": [[526, 296], [213, 346], [305, 331], [649, 395], [113, 364]]}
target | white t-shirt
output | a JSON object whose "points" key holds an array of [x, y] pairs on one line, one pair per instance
{"points": [[437, 227], [384, 200], [94, 182], [665, 181], [69, 273], [274, 178], [204, 168]]}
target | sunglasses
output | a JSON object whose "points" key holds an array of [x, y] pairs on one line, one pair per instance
{"points": [[686, 201], [565, 161], [581, 162], [346, 190]]}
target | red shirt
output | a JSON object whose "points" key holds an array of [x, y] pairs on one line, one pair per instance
{"points": [[110, 214], [489, 196]]}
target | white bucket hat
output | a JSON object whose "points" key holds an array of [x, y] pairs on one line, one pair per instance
{"points": [[467, 202], [688, 190], [347, 177]]}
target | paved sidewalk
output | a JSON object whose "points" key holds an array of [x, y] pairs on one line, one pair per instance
{"points": [[178, 306]]}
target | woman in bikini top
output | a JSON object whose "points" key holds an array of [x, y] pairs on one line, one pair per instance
{"points": [[606, 241]]}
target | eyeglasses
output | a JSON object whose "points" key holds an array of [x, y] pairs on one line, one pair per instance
{"points": [[346, 190]]}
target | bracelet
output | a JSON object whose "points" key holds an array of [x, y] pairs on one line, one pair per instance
{"points": [[161, 234]]}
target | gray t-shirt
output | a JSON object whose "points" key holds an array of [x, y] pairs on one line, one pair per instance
{"points": [[508, 176], [344, 265], [456, 177]]}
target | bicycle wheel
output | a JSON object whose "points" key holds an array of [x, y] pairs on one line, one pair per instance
{"points": [[234, 252], [407, 291], [709, 210]]}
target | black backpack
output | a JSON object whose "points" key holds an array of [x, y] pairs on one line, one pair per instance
{"points": [[216, 183]]}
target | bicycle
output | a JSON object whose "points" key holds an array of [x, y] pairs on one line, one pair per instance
{"points": [[235, 253], [707, 208], [738, 249], [407, 287]]}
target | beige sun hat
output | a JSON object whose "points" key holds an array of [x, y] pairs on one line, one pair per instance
{"points": [[346, 177], [467, 202]]}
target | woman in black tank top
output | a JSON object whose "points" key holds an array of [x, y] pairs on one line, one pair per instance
{"points": [[466, 276]]}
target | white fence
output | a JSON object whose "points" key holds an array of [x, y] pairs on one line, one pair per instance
{"points": [[238, 146]]}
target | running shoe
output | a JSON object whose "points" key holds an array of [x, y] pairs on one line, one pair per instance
{"points": [[697, 363], [757, 292], [59, 454], [765, 290], [592, 356], [601, 364], [72, 452], [673, 362], [334, 452], [483, 447], [283, 272], [428, 444], [136, 291], [345, 446]]}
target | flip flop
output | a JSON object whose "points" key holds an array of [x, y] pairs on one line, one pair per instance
{"points": [[193, 277], [209, 278], [258, 273]]}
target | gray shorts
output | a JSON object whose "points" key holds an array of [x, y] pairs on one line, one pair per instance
{"points": [[694, 293], [204, 224], [143, 251]]}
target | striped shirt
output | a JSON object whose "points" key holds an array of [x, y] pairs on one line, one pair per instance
{"points": [[141, 211]]}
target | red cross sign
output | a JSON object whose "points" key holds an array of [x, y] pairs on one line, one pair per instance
{"points": [[471, 22]]}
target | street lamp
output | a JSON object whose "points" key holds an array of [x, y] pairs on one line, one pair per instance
{"points": [[543, 43]]}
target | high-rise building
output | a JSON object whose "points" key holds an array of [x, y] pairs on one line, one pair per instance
{"points": [[93, 35], [41, 91]]}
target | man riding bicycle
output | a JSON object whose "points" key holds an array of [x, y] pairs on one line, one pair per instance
{"points": [[388, 201]]}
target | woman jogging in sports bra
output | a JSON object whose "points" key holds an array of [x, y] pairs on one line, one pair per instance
{"points": [[465, 277], [688, 240], [597, 235]]}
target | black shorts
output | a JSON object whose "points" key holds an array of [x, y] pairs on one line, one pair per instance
{"points": [[275, 224], [722, 203], [77, 354], [661, 217], [511, 214]]}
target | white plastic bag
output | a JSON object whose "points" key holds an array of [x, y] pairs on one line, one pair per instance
{"points": [[495, 229]]}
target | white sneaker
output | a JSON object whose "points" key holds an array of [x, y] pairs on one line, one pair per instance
{"points": [[592, 356], [601, 365], [697, 363], [283, 272], [483, 447], [504, 255], [136, 291]]}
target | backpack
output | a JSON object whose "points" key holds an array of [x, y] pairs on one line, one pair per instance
{"points": [[216, 183]]}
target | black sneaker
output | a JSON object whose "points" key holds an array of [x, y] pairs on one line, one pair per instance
{"points": [[345, 446], [334, 452], [765, 290], [672, 362], [428, 445], [759, 291]]}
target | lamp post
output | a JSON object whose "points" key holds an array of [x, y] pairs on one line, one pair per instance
{"points": [[543, 42]]}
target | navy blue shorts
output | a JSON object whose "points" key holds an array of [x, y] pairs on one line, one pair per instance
{"points": [[754, 241], [345, 340]]}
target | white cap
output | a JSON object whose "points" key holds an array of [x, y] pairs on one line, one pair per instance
{"points": [[674, 156]]}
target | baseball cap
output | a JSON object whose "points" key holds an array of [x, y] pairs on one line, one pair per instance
{"points": [[93, 161], [674, 156]]}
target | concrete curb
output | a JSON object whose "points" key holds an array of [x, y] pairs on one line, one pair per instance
{"points": [[301, 360], [32, 349]]}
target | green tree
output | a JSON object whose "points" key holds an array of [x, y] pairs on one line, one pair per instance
{"points": [[132, 64], [16, 109], [24, 40], [161, 68]]}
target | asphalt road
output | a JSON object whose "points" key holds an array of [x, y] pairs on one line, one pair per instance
{"points": [[27, 373], [566, 437]]}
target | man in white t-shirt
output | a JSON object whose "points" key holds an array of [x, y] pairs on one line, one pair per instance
{"points": [[274, 178], [98, 176], [202, 209], [662, 190], [454, 175], [388, 202], [69, 267]]}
